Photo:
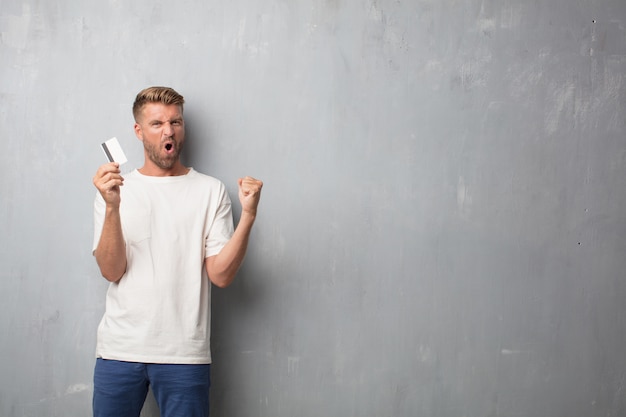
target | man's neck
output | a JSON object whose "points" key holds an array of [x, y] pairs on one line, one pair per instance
{"points": [[152, 170]]}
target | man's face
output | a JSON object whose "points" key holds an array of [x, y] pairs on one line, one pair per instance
{"points": [[161, 128]]}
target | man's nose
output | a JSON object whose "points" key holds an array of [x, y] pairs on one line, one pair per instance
{"points": [[168, 130]]}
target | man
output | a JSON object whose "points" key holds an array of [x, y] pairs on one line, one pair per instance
{"points": [[163, 234]]}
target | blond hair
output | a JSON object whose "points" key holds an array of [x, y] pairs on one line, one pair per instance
{"points": [[163, 95]]}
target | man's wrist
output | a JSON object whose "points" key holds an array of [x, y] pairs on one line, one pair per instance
{"points": [[112, 208], [248, 215]]}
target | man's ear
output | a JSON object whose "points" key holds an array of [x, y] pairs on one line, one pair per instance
{"points": [[138, 132]]}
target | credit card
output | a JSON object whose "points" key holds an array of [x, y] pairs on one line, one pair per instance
{"points": [[113, 151]]}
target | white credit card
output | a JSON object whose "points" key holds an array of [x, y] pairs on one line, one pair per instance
{"points": [[113, 151]]}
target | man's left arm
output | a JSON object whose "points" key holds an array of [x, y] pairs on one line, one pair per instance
{"points": [[223, 267]]}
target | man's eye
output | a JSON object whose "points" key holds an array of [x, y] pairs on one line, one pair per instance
{"points": [[176, 122]]}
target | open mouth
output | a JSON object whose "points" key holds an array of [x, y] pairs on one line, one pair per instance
{"points": [[169, 146]]}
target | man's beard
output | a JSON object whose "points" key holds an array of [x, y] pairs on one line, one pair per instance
{"points": [[167, 162]]}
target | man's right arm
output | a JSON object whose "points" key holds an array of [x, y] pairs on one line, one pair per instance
{"points": [[111, 250]]}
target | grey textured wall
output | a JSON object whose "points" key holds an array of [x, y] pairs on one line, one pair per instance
{"points": [[443, 224]]}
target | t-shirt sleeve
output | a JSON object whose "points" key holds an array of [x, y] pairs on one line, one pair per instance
{"points": [[222, 228]]}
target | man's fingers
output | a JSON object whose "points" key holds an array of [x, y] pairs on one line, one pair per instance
{"points": [[108, 181], [105, 171], [250, 185], [110, 167]]}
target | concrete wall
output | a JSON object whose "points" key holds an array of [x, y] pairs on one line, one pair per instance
{"points": [[443, 225]]}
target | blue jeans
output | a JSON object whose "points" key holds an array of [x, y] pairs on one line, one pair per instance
{"points": [[120, 388]]}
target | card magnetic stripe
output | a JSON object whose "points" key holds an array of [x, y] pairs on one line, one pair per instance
{"points": [[106, 151]]}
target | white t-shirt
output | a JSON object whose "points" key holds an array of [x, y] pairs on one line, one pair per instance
{"points": [[160, 310]]}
